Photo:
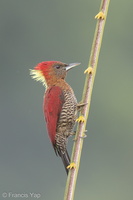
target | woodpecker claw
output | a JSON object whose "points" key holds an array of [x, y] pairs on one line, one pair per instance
{"points": [[80, 119], [100, 15], [73, 133], [70, 133], [71, 166], [89, 70], [80, 105]]}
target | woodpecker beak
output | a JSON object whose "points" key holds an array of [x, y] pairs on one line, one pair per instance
{"points": [[71, 65]]}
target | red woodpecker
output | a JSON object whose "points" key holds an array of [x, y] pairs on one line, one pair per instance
{"points": [[59, 106]]}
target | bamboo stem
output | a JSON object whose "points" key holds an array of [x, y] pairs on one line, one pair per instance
{"points": [[86, 98]]}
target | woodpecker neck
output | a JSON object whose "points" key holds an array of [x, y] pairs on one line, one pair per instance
{"points": [[58, 82]]}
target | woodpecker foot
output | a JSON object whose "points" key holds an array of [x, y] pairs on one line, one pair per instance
{"points": [[100, 15], [80, 105], [89, 70], [80, 119], [73, 133], [71, 166], [70, 133]]}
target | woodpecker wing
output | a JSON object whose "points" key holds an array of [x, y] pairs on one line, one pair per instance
{"points": [[53, 102]]}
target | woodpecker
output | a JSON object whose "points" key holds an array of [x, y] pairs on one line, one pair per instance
{"points": [[59, 105]]}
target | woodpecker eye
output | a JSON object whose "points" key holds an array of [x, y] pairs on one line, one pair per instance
{"points": [[57, 66]]}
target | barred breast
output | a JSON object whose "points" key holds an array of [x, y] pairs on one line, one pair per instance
{"points": [[66, 120]]}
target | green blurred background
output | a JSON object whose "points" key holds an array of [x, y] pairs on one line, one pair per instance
{"points": [[34, 31]]}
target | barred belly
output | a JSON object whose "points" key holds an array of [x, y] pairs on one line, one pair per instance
{"points": [[66, 120]]}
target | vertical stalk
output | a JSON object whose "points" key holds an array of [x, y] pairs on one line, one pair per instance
{"points": [[86, 98]]}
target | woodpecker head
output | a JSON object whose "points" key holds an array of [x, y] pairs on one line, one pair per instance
{"points": [[50, 71]]}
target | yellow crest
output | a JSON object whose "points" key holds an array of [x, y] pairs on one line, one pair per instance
{"points": [[38, 76]]}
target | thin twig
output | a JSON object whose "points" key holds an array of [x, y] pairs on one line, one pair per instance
{"points": [[86, 98]]}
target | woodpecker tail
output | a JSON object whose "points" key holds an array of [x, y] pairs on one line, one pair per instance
{"points": [[65, 159], [64, 156]]}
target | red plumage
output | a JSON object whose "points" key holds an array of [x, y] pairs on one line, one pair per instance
{"points": [[53, 101]]}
